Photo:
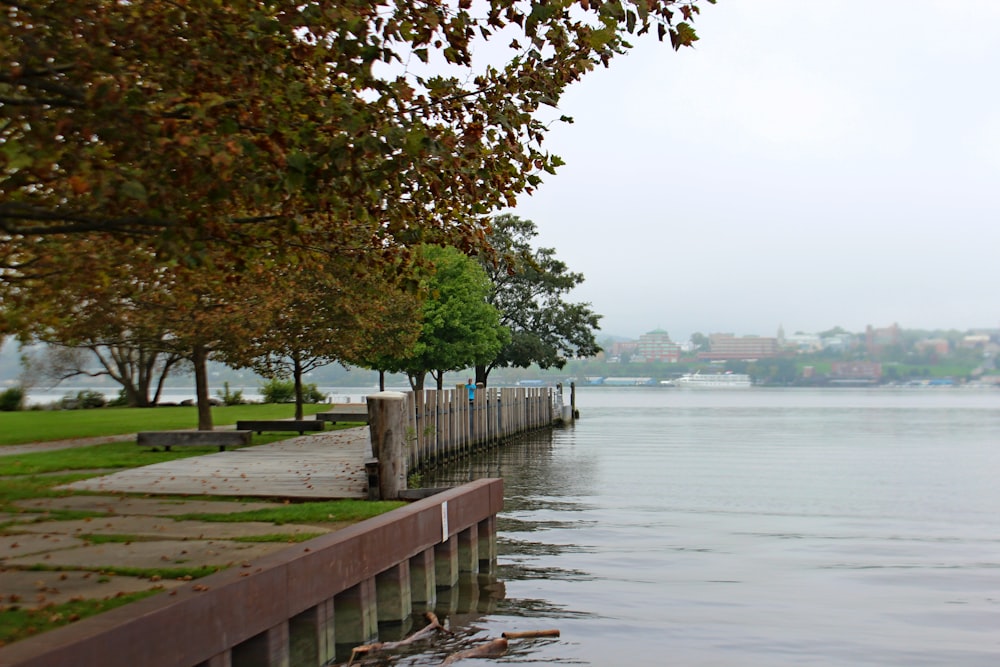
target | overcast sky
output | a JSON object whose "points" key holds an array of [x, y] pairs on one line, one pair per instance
{"points": [[807, 164]]}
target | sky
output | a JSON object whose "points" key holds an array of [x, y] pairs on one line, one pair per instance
{"points": [[806, 165]]}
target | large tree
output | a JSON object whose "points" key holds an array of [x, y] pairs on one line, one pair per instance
{"points": [[529, 288], [459, 328], [141, 368], [335, 314]]}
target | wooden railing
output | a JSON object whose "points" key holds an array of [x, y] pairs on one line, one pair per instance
{"points": [[444, 424]]}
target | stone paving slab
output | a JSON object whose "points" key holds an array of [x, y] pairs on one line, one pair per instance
{"points": [[166, 528], [142, 506], [12, 546], [156, 554], [33, 590]]}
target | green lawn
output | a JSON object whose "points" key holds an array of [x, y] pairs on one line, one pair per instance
{"points": [[45, 425]]}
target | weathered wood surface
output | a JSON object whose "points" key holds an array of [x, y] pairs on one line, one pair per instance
{"points": [[279, 425], [220, 439], [351, 412], [325, 465]]}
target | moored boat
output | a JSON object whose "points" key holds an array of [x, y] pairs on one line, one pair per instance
{"points": [[714, 381]]}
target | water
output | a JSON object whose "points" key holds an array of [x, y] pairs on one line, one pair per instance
{"points": [[755, 527]]}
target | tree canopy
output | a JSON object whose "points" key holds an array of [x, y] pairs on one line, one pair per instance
{"points": [[459, 327], [254, 123], [528, 288]]}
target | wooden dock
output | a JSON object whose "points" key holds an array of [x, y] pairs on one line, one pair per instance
{"points": [[329, 465]]}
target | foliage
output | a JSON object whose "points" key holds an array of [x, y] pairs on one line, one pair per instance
{"points": [[322, 317], [85, 399], [528, 287], [283, 391], [231, 397], [200, 122], [12, 399], [459, 328]]}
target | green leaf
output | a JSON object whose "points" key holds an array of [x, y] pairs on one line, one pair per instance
{"points": [[134, 190]]}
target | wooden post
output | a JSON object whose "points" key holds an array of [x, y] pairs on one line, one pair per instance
{"points": [[387, 423]]}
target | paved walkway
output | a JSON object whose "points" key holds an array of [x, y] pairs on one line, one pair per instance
{"points": [[327, 465]]}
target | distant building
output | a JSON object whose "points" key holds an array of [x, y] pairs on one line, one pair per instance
{"points": [[724, 347], [657, 346], [877, 340], [623, 349], [935, 346], [855, 371], [803, 343]]}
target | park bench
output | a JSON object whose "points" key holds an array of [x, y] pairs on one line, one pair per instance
{"points": [[300, 425], [345, 413], [220, 439]]}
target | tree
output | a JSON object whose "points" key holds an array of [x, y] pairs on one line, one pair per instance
{"points": [[274, 126], [141, 371], [459, 327], [332, 315], [528, 287]]}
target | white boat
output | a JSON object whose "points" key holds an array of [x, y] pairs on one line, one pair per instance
{"points": [[714, 381]]}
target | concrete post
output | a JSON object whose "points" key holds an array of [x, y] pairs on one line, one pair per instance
{"points": [[393, 591], [311, 636], [268, 649], [355, 614], [387, 423], [468, 550], [446, 563], [423, 584]]}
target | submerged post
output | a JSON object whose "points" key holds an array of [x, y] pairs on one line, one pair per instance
{"points": [[387, 424]]}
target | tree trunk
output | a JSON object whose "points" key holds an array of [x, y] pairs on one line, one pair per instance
{"points": [[381, 380], [439, 378], [482, 373], [297, 375], [199, 358], [417, 381]]}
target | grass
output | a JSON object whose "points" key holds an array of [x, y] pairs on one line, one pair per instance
{"points": [[17, 623], [47, 425], [350, 511]]}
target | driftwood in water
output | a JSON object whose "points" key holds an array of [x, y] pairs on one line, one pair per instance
{"points": [[423, 633], [531, 634], [490, 649]]}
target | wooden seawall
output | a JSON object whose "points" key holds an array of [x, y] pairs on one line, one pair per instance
{"points": [[443, 424], [296, 606]]}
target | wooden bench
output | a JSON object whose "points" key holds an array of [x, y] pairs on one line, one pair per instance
{"points": [[350, 413], [300, 425], [168, 439]]}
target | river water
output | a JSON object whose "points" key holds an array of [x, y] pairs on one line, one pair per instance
{"points": [[751, 527]]}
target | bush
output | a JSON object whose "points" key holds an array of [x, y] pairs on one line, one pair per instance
{"points": [[231, 397], [84, 400], [12, 399], [283, 391]]}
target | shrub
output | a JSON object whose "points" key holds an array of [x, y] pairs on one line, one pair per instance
{"points": [[278, 391], [84, 400], [283, 391], [12, 399], [231, 397]]}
